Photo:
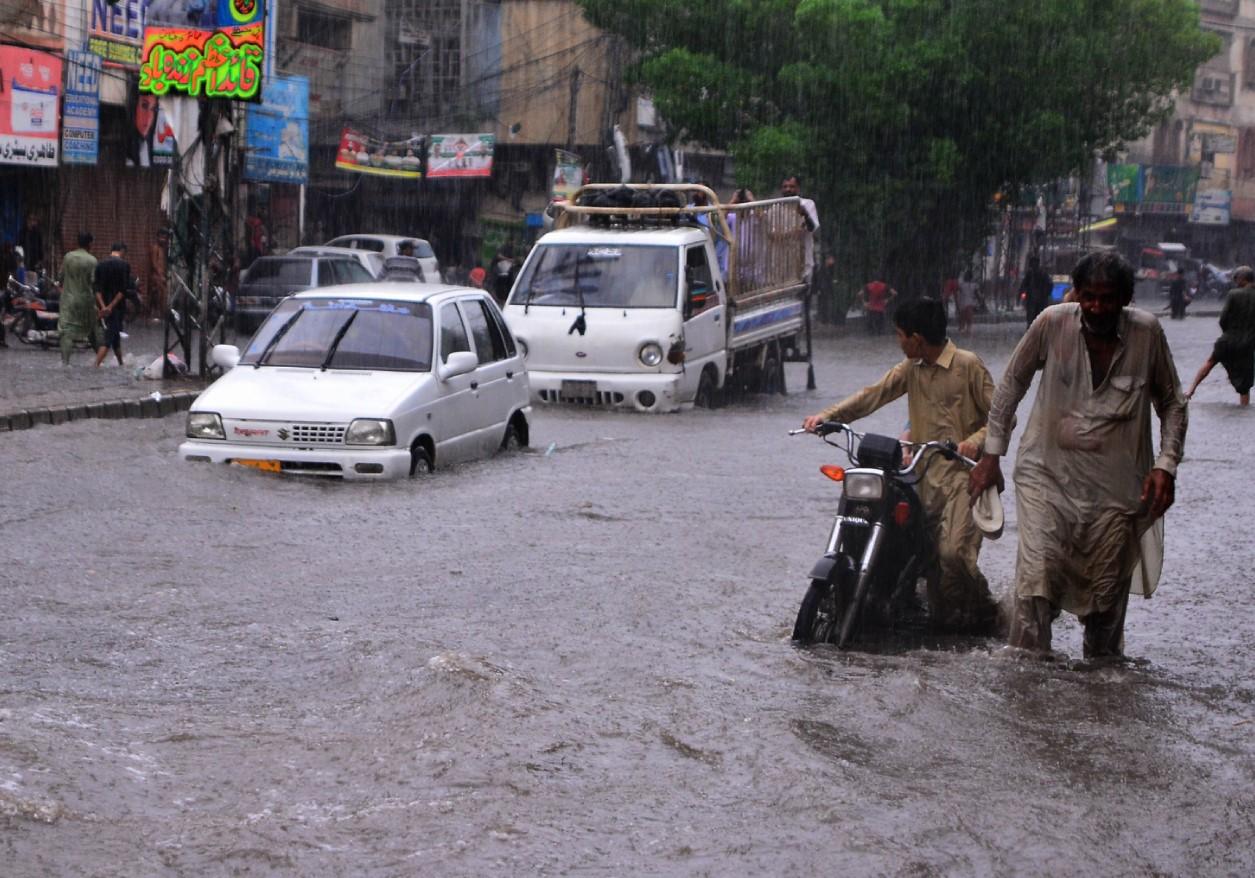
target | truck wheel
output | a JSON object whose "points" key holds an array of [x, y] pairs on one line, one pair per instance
{"points": [[772, 380], [707, 393]]}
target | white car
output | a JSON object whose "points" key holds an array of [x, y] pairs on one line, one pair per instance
{"points": [[368, 259], [367, 381], [390, 245]]}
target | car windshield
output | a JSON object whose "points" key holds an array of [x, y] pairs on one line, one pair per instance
{"points": [[607, 277], [393, 336], [283, 271]]}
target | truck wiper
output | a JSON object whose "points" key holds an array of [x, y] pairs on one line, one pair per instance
{"points": [[335, 342], [580, 325], [270, 345]]}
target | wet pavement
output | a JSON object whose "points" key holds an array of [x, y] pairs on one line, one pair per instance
{"points": [[576, 660]]}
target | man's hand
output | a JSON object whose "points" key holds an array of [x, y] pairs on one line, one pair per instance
{"points": [[1158, 492], [969, 449], [812, 423], [987, 472]]}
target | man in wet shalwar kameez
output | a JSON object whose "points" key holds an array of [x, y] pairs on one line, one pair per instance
{"points": [[1088, 489]]}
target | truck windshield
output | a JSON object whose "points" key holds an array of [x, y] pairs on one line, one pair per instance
{"points": [[395, 336], [599, 276]]}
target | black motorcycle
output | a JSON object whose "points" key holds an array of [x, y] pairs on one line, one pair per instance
{"points": [[881, 545], [29, 312]]}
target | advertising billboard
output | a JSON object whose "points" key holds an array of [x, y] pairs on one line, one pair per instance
{"points": [[220, 63], [460, 155], [369, 155], [278, 133], [80, 118], [28, 107]]}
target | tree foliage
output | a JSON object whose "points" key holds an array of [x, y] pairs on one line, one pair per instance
{"points": [[906, 116]]}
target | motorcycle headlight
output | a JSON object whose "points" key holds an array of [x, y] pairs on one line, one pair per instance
{"points": [[650, 354], [370, 431], [204, 425], [864, 486]]}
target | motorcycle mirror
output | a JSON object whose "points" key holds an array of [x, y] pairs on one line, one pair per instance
{"points": [[834, 472]]}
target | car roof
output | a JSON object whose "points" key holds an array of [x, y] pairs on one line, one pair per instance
{"points": [[379, 237], [321, 250], [669, 236], [392, 291]]}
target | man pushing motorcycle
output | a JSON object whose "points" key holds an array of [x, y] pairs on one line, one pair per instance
{"points": [[948, 393]]}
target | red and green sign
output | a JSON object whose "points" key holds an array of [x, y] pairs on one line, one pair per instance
{"points": [[221, 63]]}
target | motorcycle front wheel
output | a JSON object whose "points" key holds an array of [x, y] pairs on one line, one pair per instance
{"points": [[819, 618]]}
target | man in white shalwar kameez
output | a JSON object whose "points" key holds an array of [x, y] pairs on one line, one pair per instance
{"points": [[1088, 486]]}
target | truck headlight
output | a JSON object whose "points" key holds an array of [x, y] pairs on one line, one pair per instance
{"points": [[864, 486], [204, 425], [370, 431], [650, 354]]}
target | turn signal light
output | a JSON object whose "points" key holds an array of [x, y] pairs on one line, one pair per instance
{"points": [[902, 514], [836, 473]]}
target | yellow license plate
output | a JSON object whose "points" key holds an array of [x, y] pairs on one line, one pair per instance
{"points": [[270, 466]]}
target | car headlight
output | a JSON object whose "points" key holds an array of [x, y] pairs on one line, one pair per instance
{"points": [[864, 486], [370, 431], [650, 354], [204, 425]]}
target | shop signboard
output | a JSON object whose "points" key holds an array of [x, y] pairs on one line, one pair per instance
{"points": [[1169, 189], [219, 63], [369, 155], [1212, 207], [28, 107], [116, 31], [35, 23], [80, 117], [460, 155], [1125, 183], [278, 133]]}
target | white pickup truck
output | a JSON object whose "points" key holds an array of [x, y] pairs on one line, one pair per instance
{"points": [[651, 308]]}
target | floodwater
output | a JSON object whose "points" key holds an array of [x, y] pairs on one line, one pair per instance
{"points": [[578, 661]]}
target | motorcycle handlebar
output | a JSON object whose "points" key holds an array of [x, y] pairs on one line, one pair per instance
{"points": [[947, 448]]}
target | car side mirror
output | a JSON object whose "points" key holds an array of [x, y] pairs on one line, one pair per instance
{"points": [[225, 355], [459, 363]]}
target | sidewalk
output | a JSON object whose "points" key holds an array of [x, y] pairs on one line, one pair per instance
{"points": [[35, 389]]}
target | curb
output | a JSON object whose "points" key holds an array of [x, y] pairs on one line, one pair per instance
{"points": [[112, 410]]}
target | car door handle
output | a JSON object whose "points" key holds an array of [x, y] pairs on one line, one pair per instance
{"points": [[474, 385], [509, 375]]}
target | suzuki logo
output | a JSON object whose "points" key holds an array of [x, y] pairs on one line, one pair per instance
{"points": [[283, 433]]}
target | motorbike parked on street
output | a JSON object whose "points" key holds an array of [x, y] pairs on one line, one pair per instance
{"points": [[29, 312], [881, 545]]}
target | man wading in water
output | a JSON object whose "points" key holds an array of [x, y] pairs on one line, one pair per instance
{"points": [[1087, 487]]}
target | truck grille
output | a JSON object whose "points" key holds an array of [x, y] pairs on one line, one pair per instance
{"points": [[593, 398], [317, 434]]}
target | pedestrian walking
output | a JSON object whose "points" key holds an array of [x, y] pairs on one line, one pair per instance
{"points": [[1035, 289], [79, 318], [1235, 349], [1089, 489], [112, 280], [948, 392], [876, 296], [1178, 294]]}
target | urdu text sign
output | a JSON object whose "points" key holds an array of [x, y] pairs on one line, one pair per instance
{"points": [[221, 63]]}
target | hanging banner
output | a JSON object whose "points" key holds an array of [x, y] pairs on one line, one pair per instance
{"points": [[1125, 183], [116, 31], [568, 175], [278, 133], [80, 116], [460, 155], [369, 155], [28, 107], [221, 63], [35, 23]]}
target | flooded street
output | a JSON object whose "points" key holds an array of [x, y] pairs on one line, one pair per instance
{"points": [[577, 660]]}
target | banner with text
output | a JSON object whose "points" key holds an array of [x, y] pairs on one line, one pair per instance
{"points": [[278, 133], [460, 155], [80, 118], [221, 63], [369, 155], [568, 175], [28, 107]]}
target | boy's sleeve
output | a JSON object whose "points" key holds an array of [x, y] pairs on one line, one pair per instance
{"points": [[981, 390]]}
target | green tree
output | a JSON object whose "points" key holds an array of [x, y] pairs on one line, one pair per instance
{"points": [[905, 117]]}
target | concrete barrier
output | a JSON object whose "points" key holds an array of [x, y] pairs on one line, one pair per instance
{"points": [[110, 410]]}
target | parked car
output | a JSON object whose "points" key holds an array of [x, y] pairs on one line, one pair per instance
{"points": [[271, 279], [390, 245], [369, 381], [369, 259]]}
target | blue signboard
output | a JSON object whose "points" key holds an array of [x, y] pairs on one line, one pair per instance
{"points": [[278, 133], [80, 119]]}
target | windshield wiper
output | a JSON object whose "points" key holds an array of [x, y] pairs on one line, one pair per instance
{"points": [[335, 342], [270, 345], [580, 325]]}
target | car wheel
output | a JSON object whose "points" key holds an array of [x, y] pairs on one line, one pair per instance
{"points": [[512, 441], [420, 461]]}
